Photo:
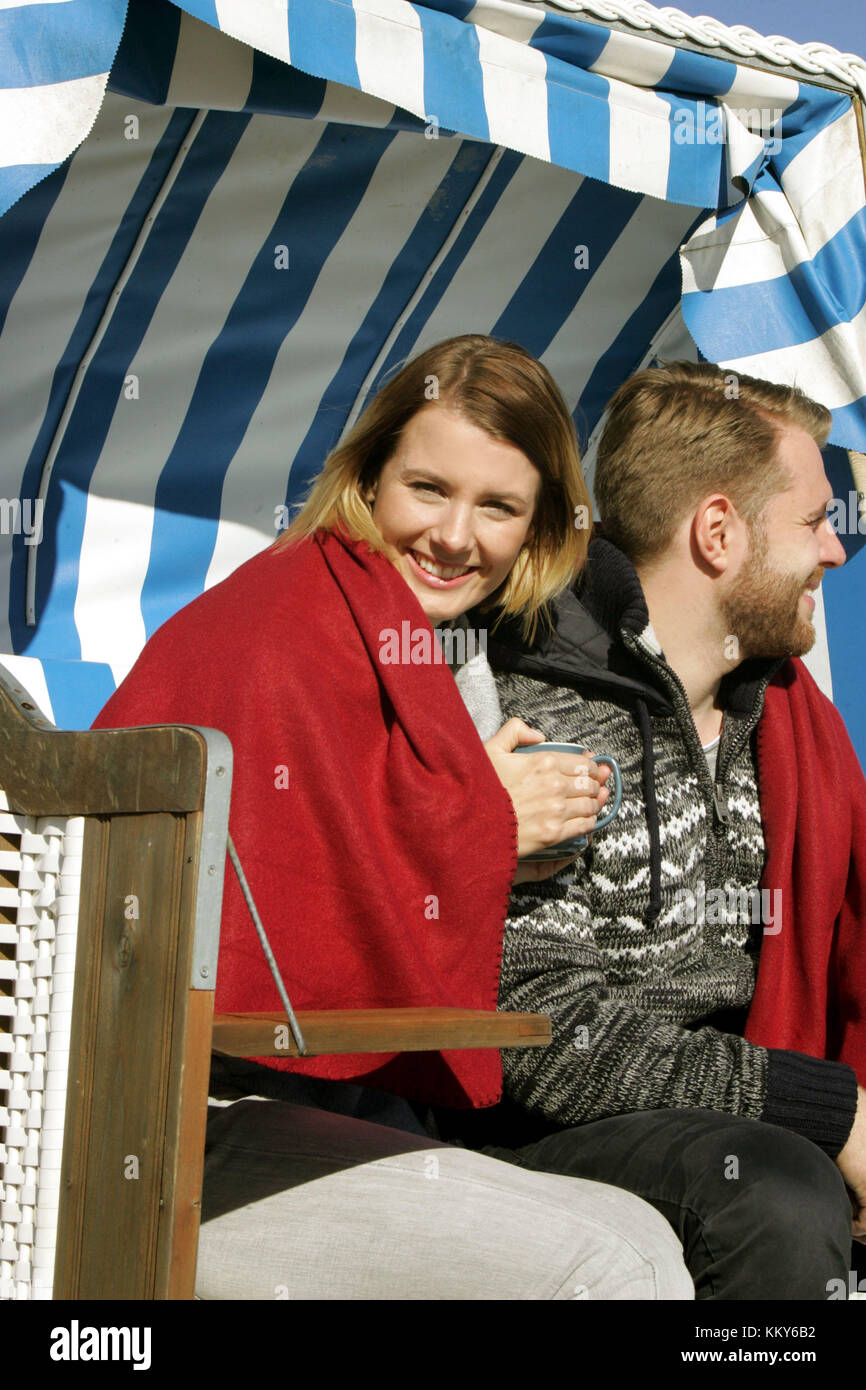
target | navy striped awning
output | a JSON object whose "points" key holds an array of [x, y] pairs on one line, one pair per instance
{"points": [[279, 201]]}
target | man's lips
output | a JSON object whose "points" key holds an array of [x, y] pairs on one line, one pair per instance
{"points": [[434, 580], [813, 585]]}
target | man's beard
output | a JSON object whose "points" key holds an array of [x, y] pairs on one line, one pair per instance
{"points": [[763, 611]]}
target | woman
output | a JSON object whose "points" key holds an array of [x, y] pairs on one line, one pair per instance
{"points": [[379, 835], [468, 458]]}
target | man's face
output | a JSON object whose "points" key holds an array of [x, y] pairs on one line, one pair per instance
{"points": [[770, 603]]}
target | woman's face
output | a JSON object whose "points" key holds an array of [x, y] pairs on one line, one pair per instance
{"points": [[458, 506]]}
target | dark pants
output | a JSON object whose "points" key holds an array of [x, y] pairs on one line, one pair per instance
{"points": [[761, 1212]]}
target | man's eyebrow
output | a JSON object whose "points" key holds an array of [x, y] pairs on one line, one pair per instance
{"points": [[820, 510]]}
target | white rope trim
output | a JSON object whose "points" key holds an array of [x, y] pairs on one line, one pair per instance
{"points": [[817, 59]]}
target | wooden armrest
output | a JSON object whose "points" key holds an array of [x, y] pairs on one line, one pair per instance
{"points": [[377, 1030]]}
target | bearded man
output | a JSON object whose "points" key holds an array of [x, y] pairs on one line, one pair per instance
{"points": [[704, 961]]}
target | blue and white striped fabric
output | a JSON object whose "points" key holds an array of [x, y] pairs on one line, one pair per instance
{"points": [[194, 305], [650, 119], [621, 108], [55, 57]]}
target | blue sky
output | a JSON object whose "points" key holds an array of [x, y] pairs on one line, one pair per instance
{"points": [[841, 23]]}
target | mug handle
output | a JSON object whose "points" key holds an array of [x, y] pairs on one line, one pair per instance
{"points": [[616, 800]]}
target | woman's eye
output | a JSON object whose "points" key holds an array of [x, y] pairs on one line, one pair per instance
{"points": [[493, 504]]}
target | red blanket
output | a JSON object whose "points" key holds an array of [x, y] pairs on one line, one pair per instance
{"points": [[377, 840], [811, 989]]}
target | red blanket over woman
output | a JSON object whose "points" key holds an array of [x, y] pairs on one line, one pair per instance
{"points": [[811, 990], [376, 838]]}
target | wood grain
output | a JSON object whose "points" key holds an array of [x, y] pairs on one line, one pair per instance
{"points": [[377, 1030]]}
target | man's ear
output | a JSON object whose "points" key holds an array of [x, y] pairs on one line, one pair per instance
{"points": [[715, 531]]}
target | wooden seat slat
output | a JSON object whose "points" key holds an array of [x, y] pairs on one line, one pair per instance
{"points": [[376, 1030]]}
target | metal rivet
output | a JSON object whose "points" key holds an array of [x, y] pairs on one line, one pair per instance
{"points": [[211, 868], [220, 772], [204, 972]]}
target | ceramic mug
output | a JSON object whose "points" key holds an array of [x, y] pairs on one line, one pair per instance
{"points": [[577, 842]]}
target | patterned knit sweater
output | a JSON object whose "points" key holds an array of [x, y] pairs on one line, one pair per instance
{"points": [[645, 952]]}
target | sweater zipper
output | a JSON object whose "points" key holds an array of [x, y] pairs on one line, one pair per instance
{"points": [[718, 801], [720, 805], [745, 728], [687, 727]]}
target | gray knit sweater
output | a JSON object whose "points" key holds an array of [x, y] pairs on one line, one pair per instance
{"points": [[648, 973]]}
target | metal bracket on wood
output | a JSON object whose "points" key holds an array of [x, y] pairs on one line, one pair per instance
{"points": [[212, 852]]}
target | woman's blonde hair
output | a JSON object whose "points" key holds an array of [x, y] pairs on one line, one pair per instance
{"points": [[502, 389]]}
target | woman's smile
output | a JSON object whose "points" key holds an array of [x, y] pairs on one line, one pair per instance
{"points": [[437, 574]]}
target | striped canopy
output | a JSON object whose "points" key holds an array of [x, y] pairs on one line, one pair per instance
{"points": [[223, 228]]}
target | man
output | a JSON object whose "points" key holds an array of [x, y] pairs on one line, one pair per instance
{"points": [[645, 952]]}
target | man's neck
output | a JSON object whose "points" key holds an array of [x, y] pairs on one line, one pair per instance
{"points": [[692, 646]]}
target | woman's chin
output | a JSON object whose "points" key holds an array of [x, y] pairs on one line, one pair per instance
{"points": [[444, 605], [438, 613]]}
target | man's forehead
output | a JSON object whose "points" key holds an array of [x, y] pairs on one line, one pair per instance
{"points": [[801, 457]]}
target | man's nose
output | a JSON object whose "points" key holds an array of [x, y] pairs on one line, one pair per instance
{"points": [[832, 552]]}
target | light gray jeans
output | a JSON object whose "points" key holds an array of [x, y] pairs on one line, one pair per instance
{"points": [[300, 1203]]}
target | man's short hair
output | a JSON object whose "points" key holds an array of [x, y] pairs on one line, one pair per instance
{"points": [[680, 431]]}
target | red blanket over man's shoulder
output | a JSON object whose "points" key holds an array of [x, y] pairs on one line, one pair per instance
{"points": [[811, 989], [377, 840]]}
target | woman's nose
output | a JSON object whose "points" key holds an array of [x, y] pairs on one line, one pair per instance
{"points": [[453, 531]]}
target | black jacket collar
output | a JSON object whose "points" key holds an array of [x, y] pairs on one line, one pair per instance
{"points": [[586, 647]]}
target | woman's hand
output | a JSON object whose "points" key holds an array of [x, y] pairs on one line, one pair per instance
{"points": [[555, 795]]}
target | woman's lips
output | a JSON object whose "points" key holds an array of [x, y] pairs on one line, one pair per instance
{"points": [[433, 579]]}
